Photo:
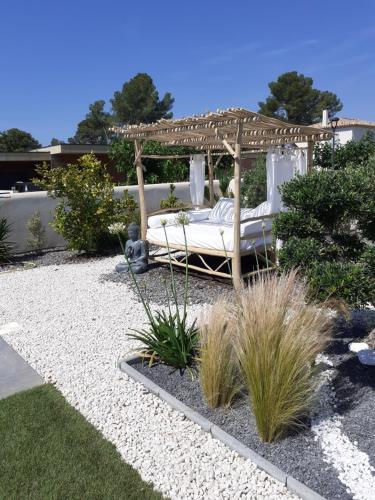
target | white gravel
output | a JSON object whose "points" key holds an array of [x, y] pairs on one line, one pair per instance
{"points": [[353, 465], [72, 331]]}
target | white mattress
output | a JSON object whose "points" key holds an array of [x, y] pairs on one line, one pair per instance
{"points": [[205, 234]]}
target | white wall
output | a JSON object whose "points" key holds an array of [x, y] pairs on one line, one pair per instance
{"points": [[19, 207]]}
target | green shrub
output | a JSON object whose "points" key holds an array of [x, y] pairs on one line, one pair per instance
{"points": [[86, 205], [329, 230], [300, 253], [5, 246], [37, 231], [171, 201], [254, 184], [279, 337], [348, 281], [352, 153]]}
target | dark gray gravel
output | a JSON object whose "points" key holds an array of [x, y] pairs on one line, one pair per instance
{"points": [[355, 384], [153, 284], [47, 258], [298, 454]]}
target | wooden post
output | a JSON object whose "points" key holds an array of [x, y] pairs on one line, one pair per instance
{"points": [[141, 188], [236, 267], [210, 178], [310, 154]]}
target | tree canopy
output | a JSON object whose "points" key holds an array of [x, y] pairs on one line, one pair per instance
{"points": [[15, 140], [138, 102], [357, 153], [55, 141], [94, 128], [294, 99]]}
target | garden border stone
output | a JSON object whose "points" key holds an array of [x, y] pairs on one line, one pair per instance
{"points": [[234, 444]]}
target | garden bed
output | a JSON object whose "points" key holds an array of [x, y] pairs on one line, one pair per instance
{"points": [[347, 403]]}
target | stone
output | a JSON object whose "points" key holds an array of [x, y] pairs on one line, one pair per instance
{"points": [[136, 253]]}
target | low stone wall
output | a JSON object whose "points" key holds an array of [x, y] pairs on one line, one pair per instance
{"points": [[19, 207]]}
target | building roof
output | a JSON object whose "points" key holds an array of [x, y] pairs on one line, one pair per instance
{"points": [[46, 153], [347, 122], [73, 149], [209, 130]]}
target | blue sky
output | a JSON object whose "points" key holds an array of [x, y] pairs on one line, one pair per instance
{"points": [[58, 57]]}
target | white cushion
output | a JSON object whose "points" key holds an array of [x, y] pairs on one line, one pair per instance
{"points": [[259, 211], [170, 218], [222, 212]]}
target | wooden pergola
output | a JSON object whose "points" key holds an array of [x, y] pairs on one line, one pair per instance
{"points": [[232, 130]]}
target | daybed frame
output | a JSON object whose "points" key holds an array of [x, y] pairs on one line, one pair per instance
{"points": [[229, 131]]}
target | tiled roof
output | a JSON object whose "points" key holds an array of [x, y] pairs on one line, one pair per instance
{"points": [[347, 122]]}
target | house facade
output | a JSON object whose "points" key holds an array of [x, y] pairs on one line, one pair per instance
{"points": [[348, 129]]}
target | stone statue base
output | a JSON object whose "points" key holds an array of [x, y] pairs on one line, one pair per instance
{"points": [[123, 267]]}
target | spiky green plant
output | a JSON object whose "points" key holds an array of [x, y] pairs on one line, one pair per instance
{"points": [[168, 338], [279, 336], [5, 246], [218, 368]]}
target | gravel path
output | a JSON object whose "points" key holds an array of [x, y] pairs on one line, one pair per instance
{"points": [[72, 331]]}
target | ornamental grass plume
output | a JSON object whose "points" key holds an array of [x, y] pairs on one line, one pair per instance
{"points": [[279, 337], [219, 374]]}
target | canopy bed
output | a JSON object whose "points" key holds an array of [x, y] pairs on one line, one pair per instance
{"points": [[223, 230]]}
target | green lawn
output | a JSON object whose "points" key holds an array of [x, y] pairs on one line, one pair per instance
{"points": [[49, 451]]}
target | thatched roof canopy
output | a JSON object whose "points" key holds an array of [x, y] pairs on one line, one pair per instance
{"points": [[208, 131]]}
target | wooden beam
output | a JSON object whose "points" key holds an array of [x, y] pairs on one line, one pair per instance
{"points": [[225, 142], [310, 156], [210, 178], [141, 188], [218, 160], [236, 268]]}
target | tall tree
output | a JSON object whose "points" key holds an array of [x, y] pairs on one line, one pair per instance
{"points": [[94, 129], [294, 99], [55, 141], [138, 101], [15, 140]]}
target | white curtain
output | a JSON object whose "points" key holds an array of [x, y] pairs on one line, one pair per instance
{"points": [[282, 165], [197, 171]]}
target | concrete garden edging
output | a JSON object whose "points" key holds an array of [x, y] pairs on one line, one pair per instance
{"points": [[290, 482]]}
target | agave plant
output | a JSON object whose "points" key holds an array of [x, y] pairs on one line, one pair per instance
{"points": [[169, 339], [5, 246]]}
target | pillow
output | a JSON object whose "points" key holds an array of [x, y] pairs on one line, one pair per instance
{"points": [[194, 216], [262, 209], [222, 211]]}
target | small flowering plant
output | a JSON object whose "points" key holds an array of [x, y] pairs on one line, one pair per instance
{"points": [[117, 228], [182, 219]]}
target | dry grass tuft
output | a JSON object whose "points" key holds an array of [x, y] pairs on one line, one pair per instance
{"points": [[279, 336], [218, 366]]}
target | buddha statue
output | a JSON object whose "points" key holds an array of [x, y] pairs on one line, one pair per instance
{"points": [[136, 251]]}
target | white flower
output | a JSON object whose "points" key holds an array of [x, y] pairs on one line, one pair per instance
{"points": [[221, 231], [117, 228], [263, 225], [182, 219], [163, 222]]}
